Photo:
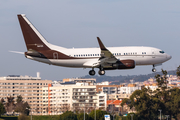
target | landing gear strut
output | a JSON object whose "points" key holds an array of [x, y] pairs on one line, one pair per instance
{"points": [[154, 69]]}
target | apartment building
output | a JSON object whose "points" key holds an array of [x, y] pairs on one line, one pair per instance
{"points": [[84, 98], [101, 101], [75, 95], [53, 98], [152, 86], [109, 89], [128, 89], [30, 88], [90, 81], [117, 92], [56, 99]]}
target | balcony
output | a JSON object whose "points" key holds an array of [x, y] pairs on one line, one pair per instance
{"points": [[82, 102]]}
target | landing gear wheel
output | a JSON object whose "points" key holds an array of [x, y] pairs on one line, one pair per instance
{"points": [[154, 70], [101, 72], [92, 72]]}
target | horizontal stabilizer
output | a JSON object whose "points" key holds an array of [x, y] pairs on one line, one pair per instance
{"points": [[17, 52]]}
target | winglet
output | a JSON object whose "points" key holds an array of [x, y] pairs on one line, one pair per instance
{"points": [[101, 45]]}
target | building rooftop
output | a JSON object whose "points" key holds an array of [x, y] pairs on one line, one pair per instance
{"points": [[20, 77], [115, 102]]}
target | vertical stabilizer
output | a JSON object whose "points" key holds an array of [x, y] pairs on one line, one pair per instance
{"points": [[33, 39]]}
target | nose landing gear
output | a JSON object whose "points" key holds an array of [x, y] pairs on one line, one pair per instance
{"points": [[154, 69]]}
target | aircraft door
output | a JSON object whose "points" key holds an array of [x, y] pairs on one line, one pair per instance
{"points": [[153, 53]]}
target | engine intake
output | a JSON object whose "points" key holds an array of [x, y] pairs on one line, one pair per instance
{"points": [[125, 64]]}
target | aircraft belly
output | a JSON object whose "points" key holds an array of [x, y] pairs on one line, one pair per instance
{"points": [[62, 62], [69, 63], [39, 59]]}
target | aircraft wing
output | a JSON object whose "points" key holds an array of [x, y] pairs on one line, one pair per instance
{"points": [[106, 55]]}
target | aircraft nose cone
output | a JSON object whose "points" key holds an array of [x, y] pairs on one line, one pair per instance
{"points": [[168, 57]]}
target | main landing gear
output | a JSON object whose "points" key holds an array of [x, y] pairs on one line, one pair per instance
{"points": [[154, 69], [92, 72], [101, 72]]}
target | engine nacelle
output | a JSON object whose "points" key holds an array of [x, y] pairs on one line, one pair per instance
{"points": [[124, 64]]}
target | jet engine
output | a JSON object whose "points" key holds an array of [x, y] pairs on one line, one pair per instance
{"points": [[126, 64], [122, 64]]}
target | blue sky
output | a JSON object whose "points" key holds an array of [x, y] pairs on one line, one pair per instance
{"points": [[70, 23]]}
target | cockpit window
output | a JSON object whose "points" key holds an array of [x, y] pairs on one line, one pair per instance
{"points": [[161, 52]]}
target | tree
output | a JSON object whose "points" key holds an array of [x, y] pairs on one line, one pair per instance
{"points": [[169, 97], [2, 100], [2, 109], [145, 105], [173, 105], [21, 106], [99, 114], [134, 116], [68, 115], [19, 99], [178, 71], [23, 117], [147, 102], [81, 116], [10, 104]]}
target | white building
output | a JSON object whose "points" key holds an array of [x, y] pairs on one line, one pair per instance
{"points": [[72, 96], [128, 90], [101, 101], [152, 87]]}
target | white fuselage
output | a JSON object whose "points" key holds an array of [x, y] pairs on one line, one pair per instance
{"points": [[141, 56], [103, 58]]}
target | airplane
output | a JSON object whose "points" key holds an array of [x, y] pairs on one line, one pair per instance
{"points": [[103, 58]]}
